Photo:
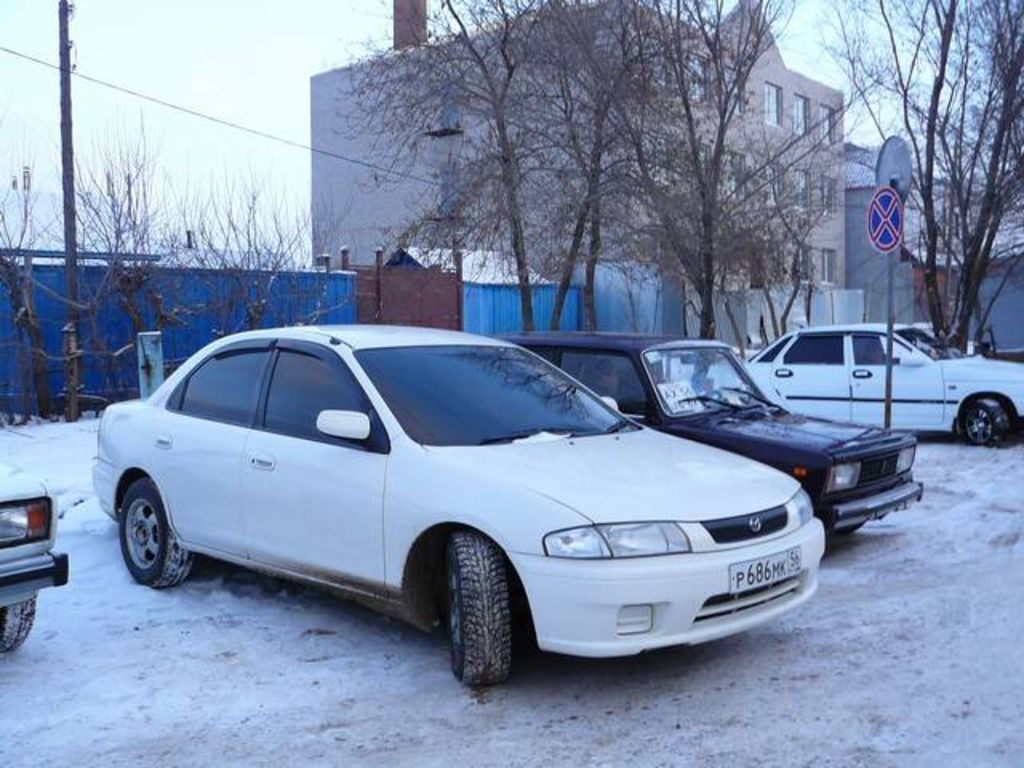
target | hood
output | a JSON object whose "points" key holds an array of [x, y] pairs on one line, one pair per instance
{"points": [[16, 485], [983, 370], [792, 430], [630, 476]]}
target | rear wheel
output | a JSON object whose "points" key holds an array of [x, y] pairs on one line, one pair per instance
{"points": [[983, 421], [15, 623], [479, 614], [151, 551]]}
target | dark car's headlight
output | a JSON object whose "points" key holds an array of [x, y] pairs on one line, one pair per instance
{"points": [[906, 459], [842, 477], [617, 540], [24, 521]]}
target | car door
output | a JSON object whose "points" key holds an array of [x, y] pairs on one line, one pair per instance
{"points": [[198, 445], [313, 504], [609, 374], [917, 386], [812, 376]]}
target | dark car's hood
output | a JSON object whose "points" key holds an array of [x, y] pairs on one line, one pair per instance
{"points": [[791, 430]]}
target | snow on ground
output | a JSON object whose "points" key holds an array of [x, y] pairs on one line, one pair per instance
{"points": [[910, 655]]}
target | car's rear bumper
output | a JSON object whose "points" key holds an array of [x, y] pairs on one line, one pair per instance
{"points": [[848, 514], [577, 605], [20, 579]]}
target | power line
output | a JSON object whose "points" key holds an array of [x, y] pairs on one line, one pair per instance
{"points": [[220, 121]]}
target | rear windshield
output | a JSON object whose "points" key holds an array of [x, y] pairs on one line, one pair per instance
{"points": [[475, 395]]}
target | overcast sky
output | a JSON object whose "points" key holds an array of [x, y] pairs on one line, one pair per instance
{"points": [[244, 61]]}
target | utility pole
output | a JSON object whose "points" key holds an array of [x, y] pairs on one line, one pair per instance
{"points": [[67, 157]]}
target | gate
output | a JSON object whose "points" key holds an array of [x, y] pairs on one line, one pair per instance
{"points": [[409, 295]]}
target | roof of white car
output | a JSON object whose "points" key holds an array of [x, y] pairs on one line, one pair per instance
{"points": [[870, 327], [375, 336]]}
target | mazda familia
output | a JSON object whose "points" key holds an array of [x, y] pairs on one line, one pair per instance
{"points": [[449, 478]]}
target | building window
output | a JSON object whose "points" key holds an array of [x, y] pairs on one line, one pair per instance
{"points": [[827, 195], [772, 190], [801, 190], [801, 115], [829, 268], [827, 119], [772, 104], [699, 74]]}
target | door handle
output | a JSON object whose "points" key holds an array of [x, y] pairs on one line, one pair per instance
{"points": [[163, 441], [262, 461], [783, 373], [862, 374]]}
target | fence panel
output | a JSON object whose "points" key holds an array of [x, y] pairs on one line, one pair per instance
{"points": [[490, 309]]}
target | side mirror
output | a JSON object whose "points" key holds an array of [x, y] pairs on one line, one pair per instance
{"points": [[348, 425], [611, 402], [913, 361]]}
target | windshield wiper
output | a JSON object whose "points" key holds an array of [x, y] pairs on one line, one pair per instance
{"points": [[709, 399], [748, 393], [618, 426], [523, 435]]}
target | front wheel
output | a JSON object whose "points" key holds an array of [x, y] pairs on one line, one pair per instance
{"points": [[479, 613], [151, 551], [984, 421], [15, 623]]}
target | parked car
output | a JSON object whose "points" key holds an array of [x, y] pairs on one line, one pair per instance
{"points": [[28, 528], [838, 372], [699, 390], [438, 475]]}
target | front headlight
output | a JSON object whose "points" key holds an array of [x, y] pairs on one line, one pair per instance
{"points": [[801, 507], [617, 540], [24, 521], [842, 477], [906, 459]]}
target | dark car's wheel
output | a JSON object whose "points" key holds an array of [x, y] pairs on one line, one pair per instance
{"points": [[15, 623], [479, 614], [983, 421], [151, 551]]}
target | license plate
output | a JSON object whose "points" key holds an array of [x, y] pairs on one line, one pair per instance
{"points": [[762, 571]]}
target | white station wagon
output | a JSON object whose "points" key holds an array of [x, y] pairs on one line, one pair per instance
{"points": [[838, 372], [442, 476]]}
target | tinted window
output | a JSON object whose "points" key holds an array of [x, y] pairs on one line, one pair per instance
{"points": [[610, 375], [226, 387], [471, 395], [868, 350], [816, 350], [772, 352], [303, 385], [548, 353]]}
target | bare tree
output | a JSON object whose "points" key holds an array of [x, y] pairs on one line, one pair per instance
{"points": [[955, 70]]}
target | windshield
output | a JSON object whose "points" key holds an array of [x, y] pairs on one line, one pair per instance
{"points": [[931, 346], [696, 380], [476, 395]]}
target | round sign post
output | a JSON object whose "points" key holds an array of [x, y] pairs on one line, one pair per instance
{"points": [[894, 177]]}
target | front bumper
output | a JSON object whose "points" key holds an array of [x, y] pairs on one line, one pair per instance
{"points": [[20, 579], [576, 604], [848, 514]]}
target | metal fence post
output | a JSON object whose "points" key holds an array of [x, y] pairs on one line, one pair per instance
{"points": [[150, 347]]}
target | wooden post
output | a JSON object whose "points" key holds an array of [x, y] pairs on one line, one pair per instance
{"points": [[460, 293], [345, 263], [71, 370], [67, 157], [379, 259], [150, 349]]}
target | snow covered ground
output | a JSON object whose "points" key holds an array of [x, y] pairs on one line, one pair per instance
{"points": [[910, 655]]}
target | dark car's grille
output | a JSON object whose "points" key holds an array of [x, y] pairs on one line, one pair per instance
{"points": [[876, 469], [745, 527]]}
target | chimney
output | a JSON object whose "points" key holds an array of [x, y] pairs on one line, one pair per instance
{"points": [[410, 23]]}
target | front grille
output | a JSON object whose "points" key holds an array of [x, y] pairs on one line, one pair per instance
{"points": [[727, 603], [745, 527], [876, 469]]}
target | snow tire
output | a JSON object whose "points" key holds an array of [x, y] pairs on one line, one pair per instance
{"points": [[151, 551], [15, 623], [479, 613], [984, 421]]}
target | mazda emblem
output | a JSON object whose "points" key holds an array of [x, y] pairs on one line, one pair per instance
{"points": [[755, 524]]}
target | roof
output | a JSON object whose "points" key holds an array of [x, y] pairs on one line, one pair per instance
{"points": [[870, 327], [860, 165], [632, 342], [372, 336]]}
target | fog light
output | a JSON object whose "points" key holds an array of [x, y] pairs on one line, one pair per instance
{"points": [[635, 619]]}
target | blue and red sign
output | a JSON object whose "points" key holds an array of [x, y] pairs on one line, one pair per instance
{"points": [[885, 220]]}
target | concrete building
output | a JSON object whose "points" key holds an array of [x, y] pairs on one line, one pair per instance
{"points": [[363, 205]]}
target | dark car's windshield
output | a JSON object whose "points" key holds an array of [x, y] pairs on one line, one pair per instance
{"points": [[475, 395], [695, 380]]}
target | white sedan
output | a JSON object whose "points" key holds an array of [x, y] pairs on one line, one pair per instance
{"points": [[838, 372], [442, 476]]}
